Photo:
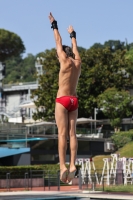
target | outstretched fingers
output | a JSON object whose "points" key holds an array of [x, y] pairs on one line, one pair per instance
{"points": [[70, 29], [51, 14], [51, 18]]}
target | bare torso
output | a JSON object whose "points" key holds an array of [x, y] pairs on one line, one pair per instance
{"points": [[68, 77]]}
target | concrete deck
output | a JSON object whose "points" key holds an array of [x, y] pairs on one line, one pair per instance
{"points": [[42, 195]]}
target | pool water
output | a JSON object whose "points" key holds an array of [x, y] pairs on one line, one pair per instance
{"points": [[56, 198], [65, 198]]}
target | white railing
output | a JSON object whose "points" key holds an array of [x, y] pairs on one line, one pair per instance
{"points": [[19, 84]]}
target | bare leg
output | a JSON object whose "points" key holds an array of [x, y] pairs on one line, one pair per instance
{"points": [[61, 116], [73, 139]]}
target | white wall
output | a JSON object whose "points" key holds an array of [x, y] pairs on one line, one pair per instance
{"points": [[15, 120], [13, 100]]}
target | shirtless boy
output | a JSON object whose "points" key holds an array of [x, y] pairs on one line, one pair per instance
{"points": [[66, 108]]}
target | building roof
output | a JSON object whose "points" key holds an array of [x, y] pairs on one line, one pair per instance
{"points": [[29, 104], [86, 120], [41, 123]]}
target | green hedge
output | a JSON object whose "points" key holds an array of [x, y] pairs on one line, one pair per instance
{"points": [[122, 138], [32, 170]]}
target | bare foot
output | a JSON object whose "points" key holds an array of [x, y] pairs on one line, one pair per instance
{"points": [[63, 175], [71, 174], [72, 168]]}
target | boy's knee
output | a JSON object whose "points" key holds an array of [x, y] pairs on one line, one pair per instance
{"points": [[72, 134]]}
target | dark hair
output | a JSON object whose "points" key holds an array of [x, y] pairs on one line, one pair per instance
{"points": [[68, 51]]}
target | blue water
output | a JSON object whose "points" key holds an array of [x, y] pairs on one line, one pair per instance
{"points": [[52, 198], [65, 198], [56, 198]]}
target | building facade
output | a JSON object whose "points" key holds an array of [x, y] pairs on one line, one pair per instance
{"points": [[22, 144]]}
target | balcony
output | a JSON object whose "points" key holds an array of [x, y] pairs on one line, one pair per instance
{"points": [[20, 86]]}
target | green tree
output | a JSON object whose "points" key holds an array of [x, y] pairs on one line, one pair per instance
{"points": [[20, 69], [115, 45], [28, 70], [10, 45], [130, 46], [48, 86], [97, 45], [12, 70], [129, 55], [116, 105], [101, 69]]}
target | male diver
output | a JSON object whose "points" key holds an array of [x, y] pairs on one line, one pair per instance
{"points": [[66, 108]]}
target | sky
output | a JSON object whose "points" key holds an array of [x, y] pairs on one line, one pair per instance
{"points": [[93, 20]]}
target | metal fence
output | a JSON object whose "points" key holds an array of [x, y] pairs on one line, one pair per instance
{"points": [[105, 182], [9, 128], [39, 179], [50, 180]]}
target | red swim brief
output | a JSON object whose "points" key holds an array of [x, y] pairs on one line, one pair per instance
{"points": [[69, 102]]}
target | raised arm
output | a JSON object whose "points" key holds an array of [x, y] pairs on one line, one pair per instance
{"points": [[58, 39], [74, 43]]}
